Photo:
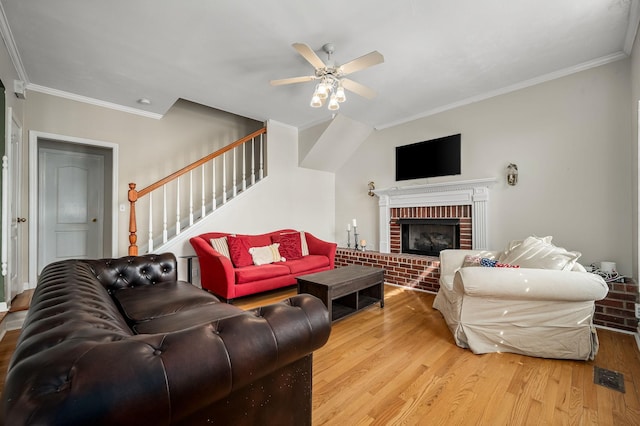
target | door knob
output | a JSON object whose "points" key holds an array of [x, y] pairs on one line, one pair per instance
{"points": [[21, 219], [94, 220]]}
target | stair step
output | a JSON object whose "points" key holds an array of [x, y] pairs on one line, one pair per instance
{"points": [[22, 301]]}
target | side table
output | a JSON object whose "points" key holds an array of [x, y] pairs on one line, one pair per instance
{"points": [[189, 258]]}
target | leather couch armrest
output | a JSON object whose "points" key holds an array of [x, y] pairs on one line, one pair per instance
{"points": [[239, 350], [236, 351]]}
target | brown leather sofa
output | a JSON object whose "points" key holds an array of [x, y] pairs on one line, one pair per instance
{"points": [[121, 341]]}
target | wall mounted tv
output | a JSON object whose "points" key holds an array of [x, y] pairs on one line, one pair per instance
{"points": [[435, 157]]}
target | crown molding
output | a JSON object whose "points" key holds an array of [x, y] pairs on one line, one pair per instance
{"points": [[514, 87], [632, 27], [9, 41], [92, 101]]}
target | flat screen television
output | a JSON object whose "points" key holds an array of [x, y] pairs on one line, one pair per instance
{"points": [[435, 157]]}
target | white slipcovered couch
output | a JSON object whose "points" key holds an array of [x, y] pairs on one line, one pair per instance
{"points": [[542, 307]]}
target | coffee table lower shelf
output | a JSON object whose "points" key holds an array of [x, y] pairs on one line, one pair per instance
{"points": [[339, 310]]}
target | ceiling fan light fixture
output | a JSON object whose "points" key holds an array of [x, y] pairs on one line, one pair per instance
{"points": [[340, 96], [322, 90], [316, 102], [333, 103]]}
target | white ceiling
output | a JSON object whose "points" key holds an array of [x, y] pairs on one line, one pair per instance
{"points": [[438, 53]]}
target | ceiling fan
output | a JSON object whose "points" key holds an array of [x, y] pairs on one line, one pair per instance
{"points": [[332, 82]]}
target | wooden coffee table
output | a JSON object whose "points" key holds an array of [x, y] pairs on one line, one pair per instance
{"points": [[345, 290]]}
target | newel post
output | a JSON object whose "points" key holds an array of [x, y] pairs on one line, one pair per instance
{"points": [[133, 197]]}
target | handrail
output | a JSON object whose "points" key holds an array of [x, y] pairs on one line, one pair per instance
{"points": [[200, 162], [134, 195]]}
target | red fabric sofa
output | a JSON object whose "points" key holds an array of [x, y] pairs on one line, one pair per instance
{"points": [[219, 275]]}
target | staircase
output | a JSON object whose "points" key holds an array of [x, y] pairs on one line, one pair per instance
{"points": [[175, 203]]}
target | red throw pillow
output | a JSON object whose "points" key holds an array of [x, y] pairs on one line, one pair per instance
{"points": [[290, 245], [239, 251]]}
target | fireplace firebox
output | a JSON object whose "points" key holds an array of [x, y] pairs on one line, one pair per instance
{"points": [[429, 236]]}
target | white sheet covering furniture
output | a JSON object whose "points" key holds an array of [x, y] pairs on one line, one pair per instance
{"points": [[537, 312]]}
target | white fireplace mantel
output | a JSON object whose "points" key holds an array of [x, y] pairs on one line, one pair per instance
{"points": [[470, 192]]}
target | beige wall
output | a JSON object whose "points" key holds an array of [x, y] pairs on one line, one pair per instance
{"points": [[571, 139], [150, 149]]}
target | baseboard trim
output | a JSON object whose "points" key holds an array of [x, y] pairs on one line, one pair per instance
{"points": [[410, 288], [12, 321], [617, 330]]}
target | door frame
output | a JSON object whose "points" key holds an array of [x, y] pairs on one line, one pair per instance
{"points": [[34, 142]]}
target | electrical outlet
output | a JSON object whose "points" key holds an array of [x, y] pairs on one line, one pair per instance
{"points": [[637, 310]]}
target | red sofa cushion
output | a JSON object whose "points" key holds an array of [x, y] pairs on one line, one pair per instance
{"points": [[306, 263], [290, 245], [262, 272], [239, 251]]}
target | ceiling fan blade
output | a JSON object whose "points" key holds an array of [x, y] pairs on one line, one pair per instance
{"points": [[292, 80], [366, 61], [309, 55], [358, 89]]}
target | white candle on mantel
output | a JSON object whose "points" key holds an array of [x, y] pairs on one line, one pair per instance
{"points": [[363, 243], [354, 223], [348, 227]]}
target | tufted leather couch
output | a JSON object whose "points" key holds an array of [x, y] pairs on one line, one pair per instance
{"points": [[121, 341]]}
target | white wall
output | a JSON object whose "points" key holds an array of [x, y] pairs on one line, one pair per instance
{"points": [[571, 139], [289, 197]]}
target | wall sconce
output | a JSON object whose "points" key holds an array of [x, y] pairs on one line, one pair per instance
{"points": [[372, 186], [512, 174]]}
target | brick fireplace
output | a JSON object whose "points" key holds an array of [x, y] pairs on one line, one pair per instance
{"points": [[453, 224], [466, 201]]}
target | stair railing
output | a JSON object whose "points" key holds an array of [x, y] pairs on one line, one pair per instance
{"points": [[233, 163]]}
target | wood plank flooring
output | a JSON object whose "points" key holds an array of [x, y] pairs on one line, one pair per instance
{"points": [[399, 365]]}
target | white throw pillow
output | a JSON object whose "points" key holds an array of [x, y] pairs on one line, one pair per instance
{"points": [[265, 255], [515, 243], [221, 246], [535, 252]]}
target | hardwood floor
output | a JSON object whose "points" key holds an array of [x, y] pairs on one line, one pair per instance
{"points": [[399, 365]]}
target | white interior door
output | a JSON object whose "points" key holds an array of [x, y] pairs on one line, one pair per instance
{"points": [[70, 208], [14, 286]]}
